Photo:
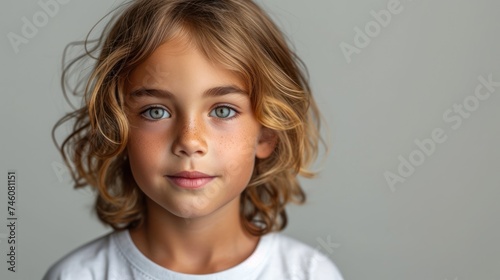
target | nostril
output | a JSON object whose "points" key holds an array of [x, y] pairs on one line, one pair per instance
{"points": [[189, 142]]}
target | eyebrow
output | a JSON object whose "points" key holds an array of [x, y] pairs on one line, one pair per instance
{"points": [[212, 92]]}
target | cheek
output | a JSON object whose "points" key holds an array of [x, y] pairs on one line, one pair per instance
{"points": [[147, 141], [238, 158], [144, 151]]}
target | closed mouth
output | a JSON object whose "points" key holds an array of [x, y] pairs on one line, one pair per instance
{"points": [[190, 183]]}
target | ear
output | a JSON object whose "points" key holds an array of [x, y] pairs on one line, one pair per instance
{"points": [[268, 140]]}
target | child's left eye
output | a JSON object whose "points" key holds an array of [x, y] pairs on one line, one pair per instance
{"points": [[223, 112]]}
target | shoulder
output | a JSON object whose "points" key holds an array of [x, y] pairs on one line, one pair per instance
{"points": [[85, 262], [302, 261]]}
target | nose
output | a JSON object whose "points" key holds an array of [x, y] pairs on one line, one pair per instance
{"points": [[190, 138]]}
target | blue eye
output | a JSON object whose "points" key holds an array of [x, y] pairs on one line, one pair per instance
{"points": [[224, 112], [155, 113]]}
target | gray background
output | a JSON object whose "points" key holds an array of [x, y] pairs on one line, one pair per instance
{"points": [[441, 223]]}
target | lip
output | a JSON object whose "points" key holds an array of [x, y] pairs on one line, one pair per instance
{"points": [[190, 179], [190, 174]]}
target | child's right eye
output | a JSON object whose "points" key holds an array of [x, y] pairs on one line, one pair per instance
{"points": [[155, 113]]}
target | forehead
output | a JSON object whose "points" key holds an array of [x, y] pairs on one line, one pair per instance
{"points": [[178, 66]]}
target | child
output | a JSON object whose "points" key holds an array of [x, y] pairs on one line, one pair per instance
{"points": [[197, 120]]}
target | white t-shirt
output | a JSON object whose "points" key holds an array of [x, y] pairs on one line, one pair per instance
{"points": [[115, 257]]}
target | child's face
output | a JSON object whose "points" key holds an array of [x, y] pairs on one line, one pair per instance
{"points": [[201, 121]]}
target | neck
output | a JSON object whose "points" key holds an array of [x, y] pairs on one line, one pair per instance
{"points": [[198, 245]]}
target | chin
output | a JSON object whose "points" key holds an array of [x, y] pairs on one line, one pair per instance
{"points": [[191, 210]]}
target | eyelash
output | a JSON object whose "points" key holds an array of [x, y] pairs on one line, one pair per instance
{"points": [[236, 112], [141, 114]]}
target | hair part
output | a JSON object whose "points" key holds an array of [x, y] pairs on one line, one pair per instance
{"points": [[236, 34]]}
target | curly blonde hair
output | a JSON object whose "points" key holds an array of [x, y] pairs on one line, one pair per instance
{"points": [[238, 35]]}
